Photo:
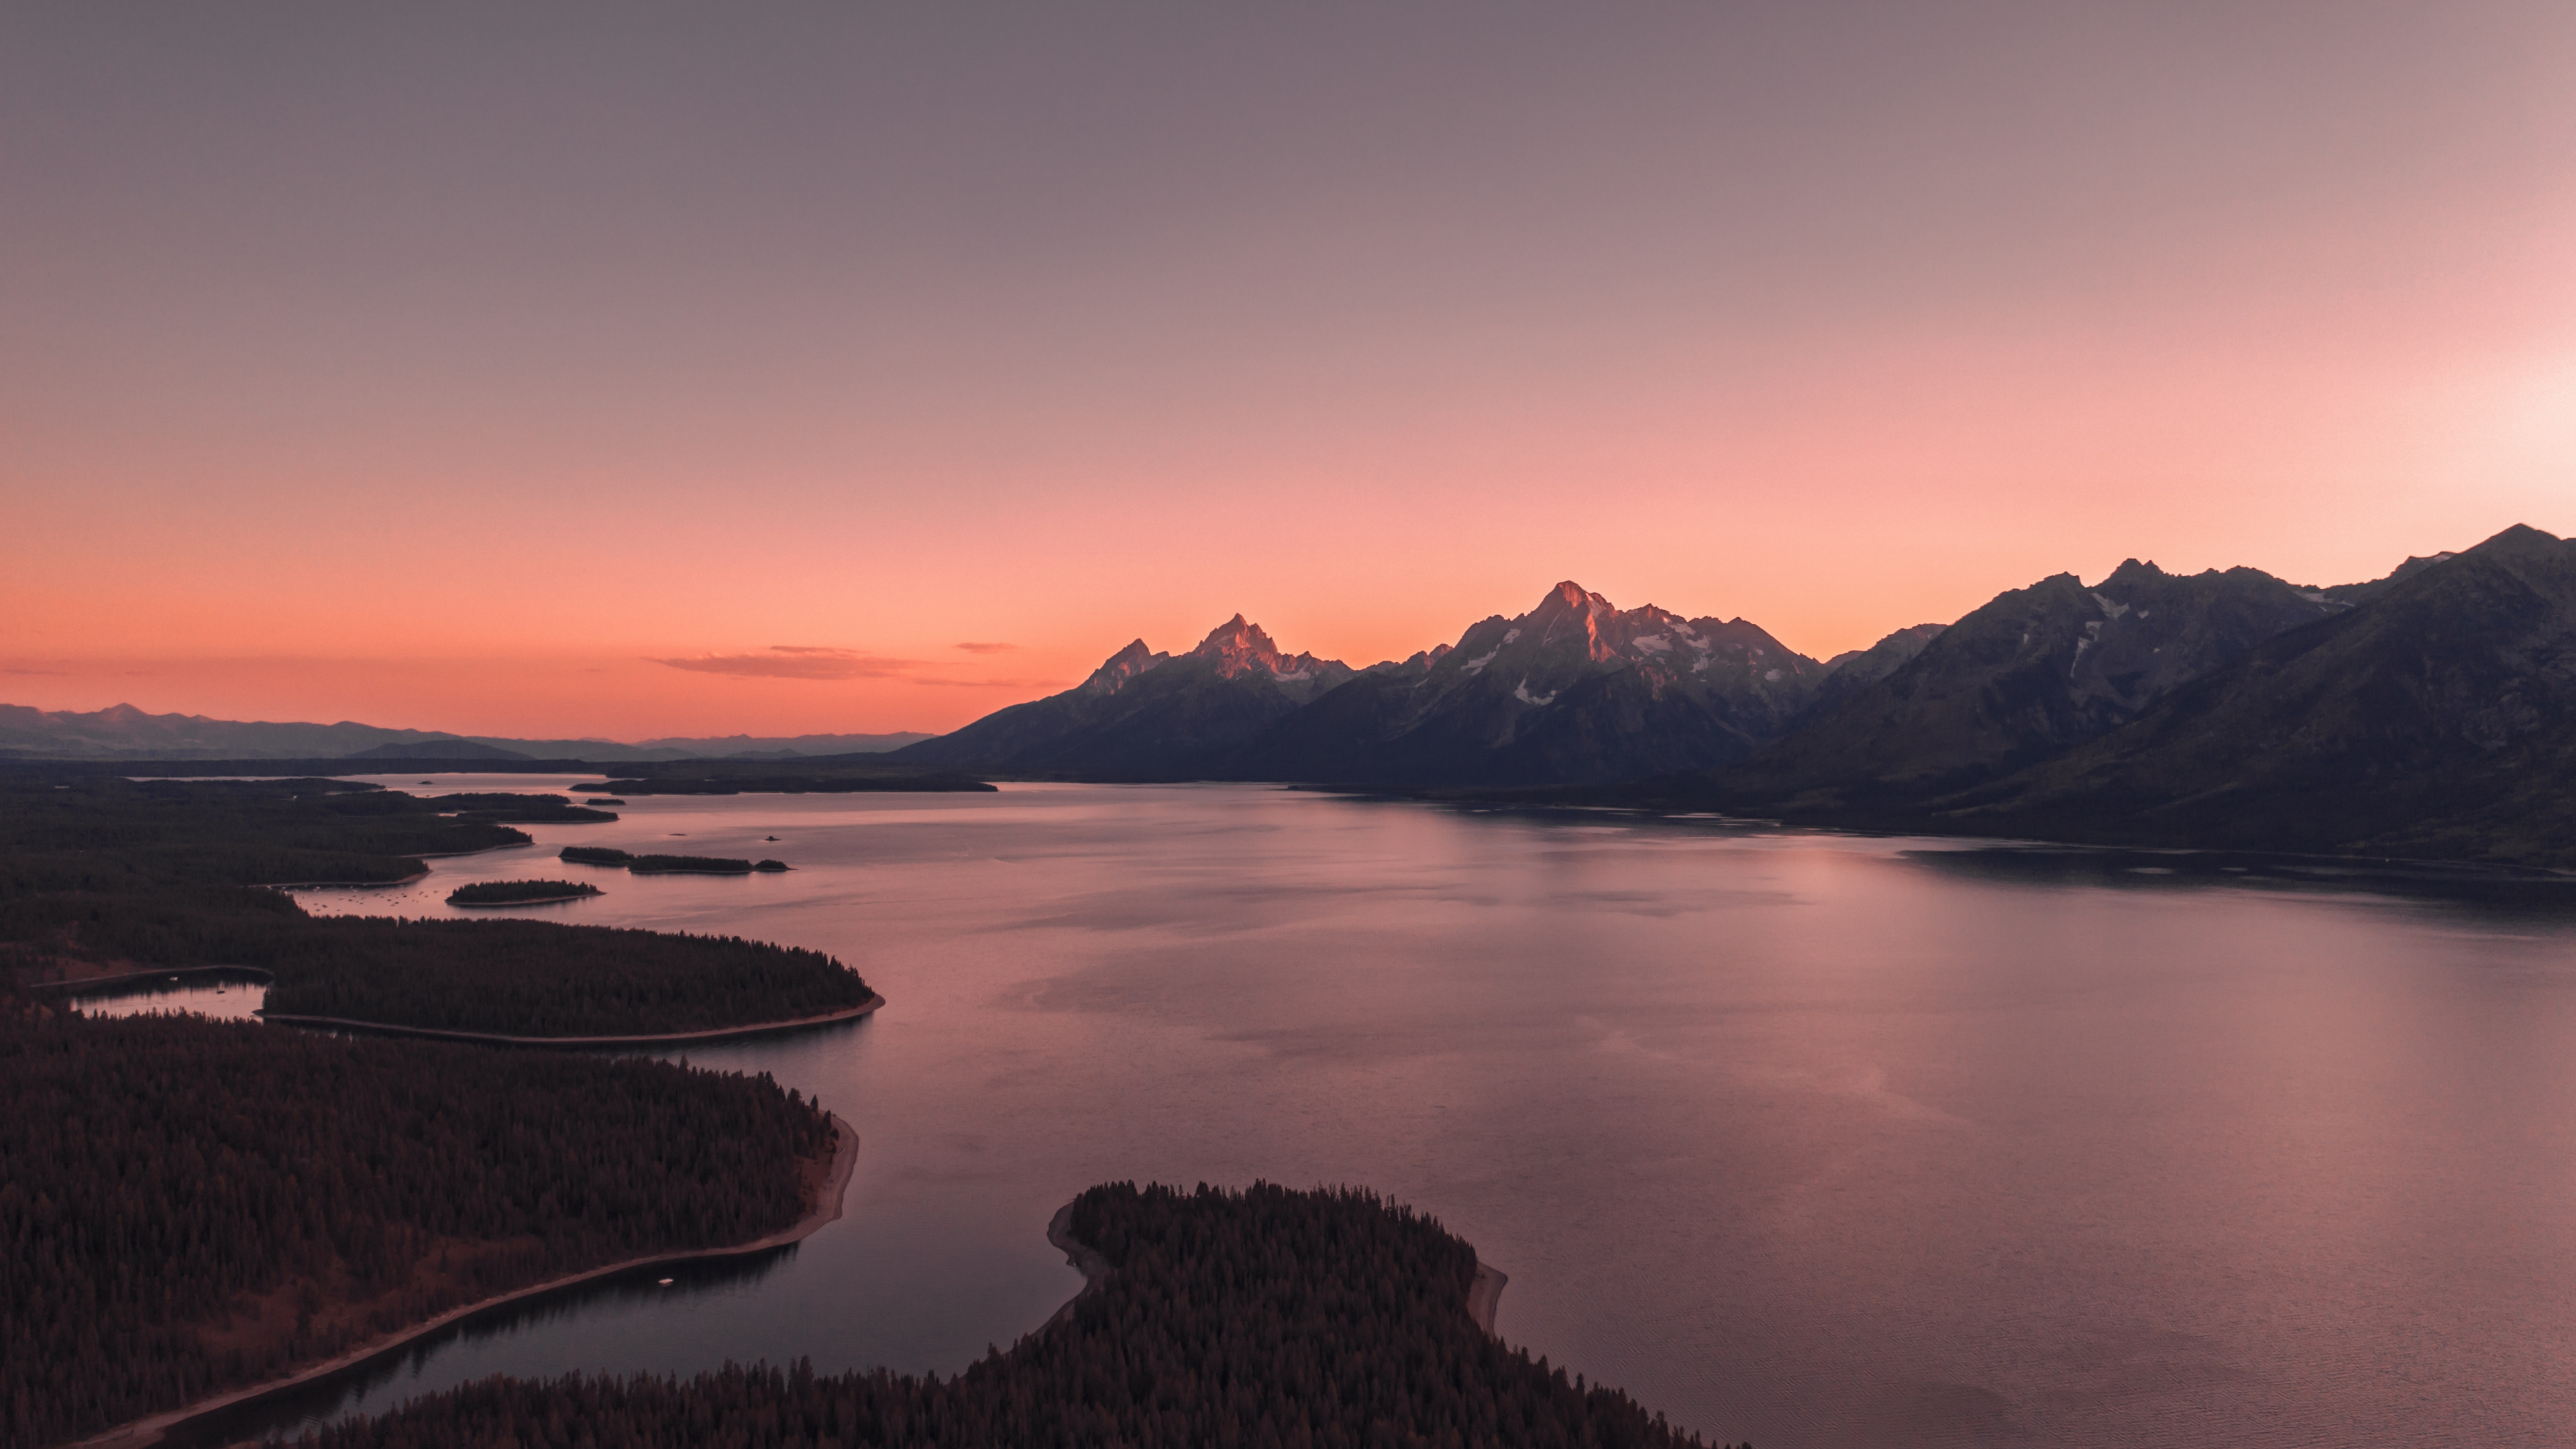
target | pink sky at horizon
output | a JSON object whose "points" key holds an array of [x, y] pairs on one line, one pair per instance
{"points": [[445, 371]]}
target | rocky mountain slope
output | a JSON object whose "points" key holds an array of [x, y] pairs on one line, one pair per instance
{"points": [[1575, 690], [1144, 715], [2435, 717], [2037, 671], [1854, 670]]}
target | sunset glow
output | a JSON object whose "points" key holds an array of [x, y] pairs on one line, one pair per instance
{"points": [[854, 373]]}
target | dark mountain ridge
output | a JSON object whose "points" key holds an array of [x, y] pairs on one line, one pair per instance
{"points": [[2437, 717], [2035, 671], [1144, 715]]}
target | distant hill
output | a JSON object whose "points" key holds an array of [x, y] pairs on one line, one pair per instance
{"points": [[436, 749], [124, 732], [1144, 715], [1575, 690]]}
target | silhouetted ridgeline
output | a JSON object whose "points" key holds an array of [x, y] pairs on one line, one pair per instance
{"points": [[190, 1205], [1259, 1318]]}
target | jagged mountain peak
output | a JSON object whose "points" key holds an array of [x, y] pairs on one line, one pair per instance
{"points": [[1239, 647], [1115, 671], [1234, 637]]}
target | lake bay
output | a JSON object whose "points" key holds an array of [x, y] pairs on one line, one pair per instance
{"points": [[1810, 1139]]}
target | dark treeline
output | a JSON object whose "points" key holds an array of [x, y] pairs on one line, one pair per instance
{"points": [[192, 1205], [538, 978], [118, 834], [820, 775], [699, 865], [666, 864], [1254, 1319], [514, 892], [508, 809], [99, 875]]}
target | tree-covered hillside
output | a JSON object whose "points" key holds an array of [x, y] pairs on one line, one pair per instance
{"points": [[1258, 1318], [192, 1205]]}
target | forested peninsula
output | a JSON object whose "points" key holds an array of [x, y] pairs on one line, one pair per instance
{"points": [[194, 1206], [103, 877], [1265, 1317], [815, 775]]}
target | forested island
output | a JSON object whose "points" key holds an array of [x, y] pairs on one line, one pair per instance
{"points": [[103, 877], [192, 1206], [666, 864], [1265, 1317], [508, 809], [519, 892]]}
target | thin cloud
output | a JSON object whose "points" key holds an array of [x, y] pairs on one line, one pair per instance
{"points": [[800, 662], [995, 683], [986, 648]]}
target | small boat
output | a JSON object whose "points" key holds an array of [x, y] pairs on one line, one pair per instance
{"points": [[666, 1282]]}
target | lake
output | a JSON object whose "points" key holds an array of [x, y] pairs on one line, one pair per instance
{"points": [[1810, 1139]]}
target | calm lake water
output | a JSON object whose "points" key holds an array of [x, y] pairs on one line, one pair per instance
{"points": [[1806, 1139]]}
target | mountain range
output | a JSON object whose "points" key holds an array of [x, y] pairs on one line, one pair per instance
{"points": [[2432, 711], [126, 733], [2428, 713]]}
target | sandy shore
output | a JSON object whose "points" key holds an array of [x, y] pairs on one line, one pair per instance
{"points": [[676, 1038], [1483, 1295], [845, 1161]]}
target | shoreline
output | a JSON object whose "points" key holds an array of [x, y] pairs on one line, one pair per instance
{"points": [[420, 874], [1080, 1256], [676, 1038], [1484, 1294], [80, 985], [347, 885], [75, 985], [827, 1209]]}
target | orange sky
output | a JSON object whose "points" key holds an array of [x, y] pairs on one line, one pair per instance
{"points": [[448, 371]]}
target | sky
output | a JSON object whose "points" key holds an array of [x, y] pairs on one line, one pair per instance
{"points": [[628, 371]]}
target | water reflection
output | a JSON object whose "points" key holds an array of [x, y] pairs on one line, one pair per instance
{"points": [[398, 1373], [221, 994]]}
